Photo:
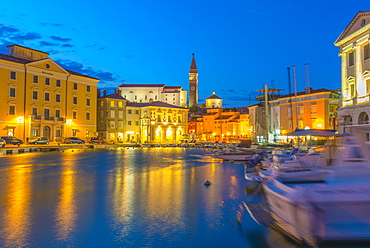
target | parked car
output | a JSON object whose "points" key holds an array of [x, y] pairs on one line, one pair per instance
{"points": [[2, 142], [71, 140], [12, 140], [39, 140], [96, 140]]}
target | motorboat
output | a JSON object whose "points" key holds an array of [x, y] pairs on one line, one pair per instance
{"points": [[332, 206]]}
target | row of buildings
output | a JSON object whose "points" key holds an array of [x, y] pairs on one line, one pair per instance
{"points": [[41, 98]]}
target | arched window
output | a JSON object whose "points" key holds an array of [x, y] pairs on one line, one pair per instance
{"points": [[151, 91], [131, 91], [363, 118]]}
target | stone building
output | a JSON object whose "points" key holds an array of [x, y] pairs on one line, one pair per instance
{"points": [[41, 98], [354, 50]]}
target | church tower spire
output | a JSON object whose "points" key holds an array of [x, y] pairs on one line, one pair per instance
{"points": [[193, 83]]}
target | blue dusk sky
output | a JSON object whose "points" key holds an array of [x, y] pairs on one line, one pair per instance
{"points": [[239, 45]]}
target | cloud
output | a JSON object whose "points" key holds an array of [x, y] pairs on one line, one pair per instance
{"points": [[52, 24], [45, 43], [26, 37], [78, 67], [95, 46], [6, 31], [60, 38], [67, 45]]}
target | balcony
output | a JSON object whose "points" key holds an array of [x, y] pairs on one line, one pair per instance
{"points": [[47, 118]]}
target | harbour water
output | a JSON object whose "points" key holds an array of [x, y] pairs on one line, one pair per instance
{"points": [[126, 198]]}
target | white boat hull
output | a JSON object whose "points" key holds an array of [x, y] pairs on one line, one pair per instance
{"points": [[322, 213]]}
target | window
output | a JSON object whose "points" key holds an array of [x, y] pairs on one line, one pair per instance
{"points": [[300, 124], [12, 92], [87, 116], [146, 97], [75, 100], [35, 95], [351, 59], [34, 111], [352, 91], [101, 103], [120, 124], [35, 132], [74, 115], [289, 124], [57, 84], [88, 88], [289, 111], [13, 75], [112, 124], [136, 112], [57, 98], [131, 92], [135, 97], [75, 86], [136, 123], [47, 81], [87, 101], [47, 96], [313, 109], [46, 112], [120, 114], [57, 113], [129, 123], [57, 133], [112, 113], [112, 103], [301, 110], [11, 110], [36, 79], [367, 52], [120, 104], [156, 97], [150, 91], [129, 111]]}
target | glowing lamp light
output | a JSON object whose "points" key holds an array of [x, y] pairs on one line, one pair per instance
{"points": [[152, 122], [69, 121], [319, 125], [307, 128], [20, 119]]}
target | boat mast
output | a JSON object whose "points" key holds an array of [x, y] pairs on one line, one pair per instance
{"points": [[267, 114]]}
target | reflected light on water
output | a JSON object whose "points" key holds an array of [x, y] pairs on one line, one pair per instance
{"points": [[17, 215], [65, 215]]}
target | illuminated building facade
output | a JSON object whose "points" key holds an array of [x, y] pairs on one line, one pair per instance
{"points": [[145, 93], [354, 44], [40, 98], [121, 121], [221, 125], [314, 109]]}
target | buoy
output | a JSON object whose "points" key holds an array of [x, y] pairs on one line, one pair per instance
{"points": [[207, 183], [72, 151]]}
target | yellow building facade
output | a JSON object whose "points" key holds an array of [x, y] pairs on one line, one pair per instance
{"points": [[122, 121], [42, 99]]}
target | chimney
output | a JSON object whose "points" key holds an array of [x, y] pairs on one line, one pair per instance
{"points": [[308, 90], [104, 93], [98, 92]]}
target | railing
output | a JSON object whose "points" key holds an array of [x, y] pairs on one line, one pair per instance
{"points": [[47, 118]]}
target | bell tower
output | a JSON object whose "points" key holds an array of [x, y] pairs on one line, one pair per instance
{"points": [[193, 83]]}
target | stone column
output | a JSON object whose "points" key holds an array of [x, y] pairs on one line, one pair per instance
{"points": [[360, 85]]}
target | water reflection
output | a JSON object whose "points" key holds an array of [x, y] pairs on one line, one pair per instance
{"points": [[17, 211], [65, 214]]}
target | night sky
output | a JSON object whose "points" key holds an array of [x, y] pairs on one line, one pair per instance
{"points": [[239, 45]]}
